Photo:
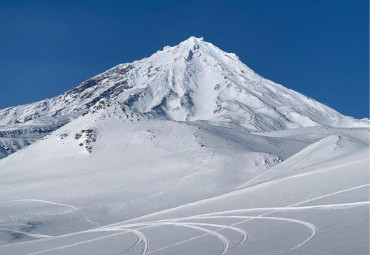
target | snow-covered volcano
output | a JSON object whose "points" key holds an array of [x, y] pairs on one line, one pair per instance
{"points": [[194, 80], [190, 122]]}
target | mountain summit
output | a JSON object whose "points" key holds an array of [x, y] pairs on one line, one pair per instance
{"points": [[192, 81]]}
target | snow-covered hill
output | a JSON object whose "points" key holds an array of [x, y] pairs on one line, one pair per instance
{"points": [[277, 172]]}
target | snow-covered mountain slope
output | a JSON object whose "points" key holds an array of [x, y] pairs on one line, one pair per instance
{"points": [[194, 80], [114, 150], [189, 123]]}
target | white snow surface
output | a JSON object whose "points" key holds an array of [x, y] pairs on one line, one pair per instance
{"points": [[185, 152]]}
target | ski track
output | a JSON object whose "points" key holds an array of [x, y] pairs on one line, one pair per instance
{"points": [[125, 228], [243, 233], [293, 205], [222, 238], [330, 194], [142, 239], [53, 203], [239, 230], [214, 215], [246, 185], [312, 228], [296, 208]]}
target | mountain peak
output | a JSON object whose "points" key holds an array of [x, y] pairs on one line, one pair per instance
{"points": [[189, 46], [186, 47], [193, 40], [191, 81]]}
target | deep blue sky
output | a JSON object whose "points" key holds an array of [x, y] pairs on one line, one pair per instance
{"points": [[317, 47]]}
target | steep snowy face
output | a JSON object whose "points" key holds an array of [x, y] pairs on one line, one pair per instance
{"points": [[194, 80], [197, 81]]}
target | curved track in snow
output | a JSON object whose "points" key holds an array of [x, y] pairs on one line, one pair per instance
{"points": [[136, 228], [312, 228], [58, 204]]}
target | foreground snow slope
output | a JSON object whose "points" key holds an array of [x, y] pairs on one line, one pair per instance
{"points": [[320, 209]]}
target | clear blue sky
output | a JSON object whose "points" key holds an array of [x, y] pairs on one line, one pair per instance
{"points": [[317, 47]]}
